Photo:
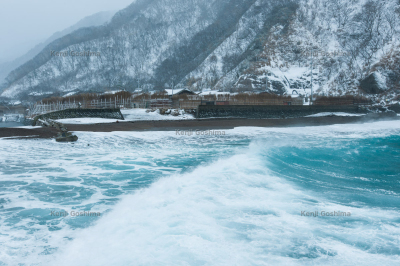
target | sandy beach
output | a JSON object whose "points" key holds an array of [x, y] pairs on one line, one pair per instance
{"points": [[25, 132], [199, 124]]}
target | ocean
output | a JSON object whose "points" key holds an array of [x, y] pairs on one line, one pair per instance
{"points": [[253, 196], [10, 124]]}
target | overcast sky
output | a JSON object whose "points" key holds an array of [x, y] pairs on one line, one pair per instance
{"points": [[25, 23]]}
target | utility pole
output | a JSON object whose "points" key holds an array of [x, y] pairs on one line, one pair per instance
{"points": [[312, 74]]}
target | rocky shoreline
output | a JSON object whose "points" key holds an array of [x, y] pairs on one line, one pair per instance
{"points": [[63, 135]]}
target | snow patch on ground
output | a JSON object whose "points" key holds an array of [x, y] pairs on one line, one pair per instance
{"points": [[29, 127], [381, 80], [129, 115], [295, 72], [142, 114], [86, 121]]}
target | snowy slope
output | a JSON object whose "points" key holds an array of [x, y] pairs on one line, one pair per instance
{"points": [[97, 19], [287, 47]]}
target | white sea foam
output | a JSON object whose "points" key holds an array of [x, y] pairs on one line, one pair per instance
{"points": [[87, 121], [46, 171], [234, 211], [334, 114], [339, 131]]}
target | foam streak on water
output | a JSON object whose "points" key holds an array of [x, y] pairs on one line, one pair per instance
{"points": [[204, 200]]}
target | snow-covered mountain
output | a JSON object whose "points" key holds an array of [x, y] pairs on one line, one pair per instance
{"points": [[94, 20], [284, 46]]}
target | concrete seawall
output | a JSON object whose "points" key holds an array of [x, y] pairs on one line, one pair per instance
{"points": [[81, 113], [271, 111]]}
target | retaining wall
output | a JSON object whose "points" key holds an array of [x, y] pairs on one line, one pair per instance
{"points": [[81, 113], [271, 111]]}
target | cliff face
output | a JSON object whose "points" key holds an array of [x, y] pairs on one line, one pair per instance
{"points": [[338, 45], [286, 47]]}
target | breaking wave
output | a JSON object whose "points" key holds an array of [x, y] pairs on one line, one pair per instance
{"points": [[251, 197]]}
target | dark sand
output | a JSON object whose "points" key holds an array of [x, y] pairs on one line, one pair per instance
{"points": [[223, 123], [199, 124], [24, 133]]}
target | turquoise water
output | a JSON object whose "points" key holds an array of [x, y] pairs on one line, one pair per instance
{"points": [[10, 124], [364, 171], [237, 199]]}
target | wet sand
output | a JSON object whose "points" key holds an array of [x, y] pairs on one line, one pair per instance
{"points": [[24, 133], [220, 123], [199, 124]]}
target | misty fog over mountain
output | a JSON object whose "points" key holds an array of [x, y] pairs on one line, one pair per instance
{"points": [[93, 20]]}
